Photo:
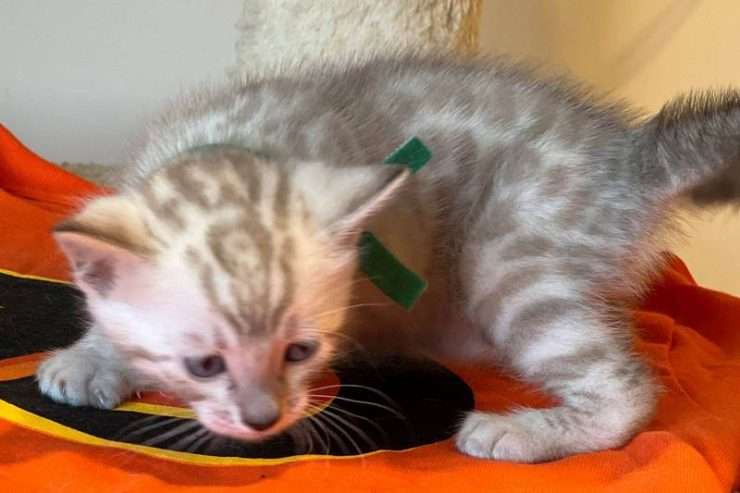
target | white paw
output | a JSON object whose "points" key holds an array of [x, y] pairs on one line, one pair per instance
{"points": [[75, 377], [494, 436]]}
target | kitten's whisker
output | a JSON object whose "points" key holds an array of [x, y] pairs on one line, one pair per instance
{"points": [[314, 429], [360, 433], [331, 420], [309, 438], [300, 439], [330, 293], [193, 448], [339, 440], [389, 409], [138, 422], [346, 337], [364, 403], [344, 287], [214, 442], [331, 436], [356, 429], [313, 426], [309, 432], [373, 390], [363, 418], [178, 430], [153, 426], [189, 439], [347, 308]]}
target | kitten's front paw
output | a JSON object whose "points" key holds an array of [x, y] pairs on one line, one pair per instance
{"points": [[494, 436], [72, 376]]}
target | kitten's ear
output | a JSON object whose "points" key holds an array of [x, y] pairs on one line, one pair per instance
{"points": [[104, 240], [343, 199]]}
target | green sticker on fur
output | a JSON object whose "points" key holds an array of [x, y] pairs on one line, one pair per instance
{"points": [[400, 284], [390, 276], [413, 154]]}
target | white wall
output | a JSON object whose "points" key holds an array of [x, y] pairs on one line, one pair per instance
{"points": [[78, 77]]}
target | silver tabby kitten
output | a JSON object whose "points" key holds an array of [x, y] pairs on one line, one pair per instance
{"points": [[226, 270]]}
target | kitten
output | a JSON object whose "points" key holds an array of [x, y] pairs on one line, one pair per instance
{"points": [[225, 270]]}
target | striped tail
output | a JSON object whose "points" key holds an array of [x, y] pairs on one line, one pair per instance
{"points": [[693, 147]]}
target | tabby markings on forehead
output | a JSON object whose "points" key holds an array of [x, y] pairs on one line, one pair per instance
{"points": [[287, 251], [229, 194], [281, 199], [187, 187], [208, 181], [166, 210], [194, 256], [253, 300], [248, 174], [207, 281]]}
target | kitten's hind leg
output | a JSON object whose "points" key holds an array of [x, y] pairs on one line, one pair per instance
{"points": [[550, 334], [88, 373]]}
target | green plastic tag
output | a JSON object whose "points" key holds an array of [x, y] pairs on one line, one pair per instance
{"points": [[413, 154], [399, 283]]}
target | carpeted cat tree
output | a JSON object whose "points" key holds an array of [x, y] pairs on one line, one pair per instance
{"points": [[279, 34]]}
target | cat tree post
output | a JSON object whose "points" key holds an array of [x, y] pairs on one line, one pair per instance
{"points": [[278, 34]]}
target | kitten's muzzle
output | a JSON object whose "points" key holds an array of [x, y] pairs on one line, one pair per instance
{"points": [[260, 412]]}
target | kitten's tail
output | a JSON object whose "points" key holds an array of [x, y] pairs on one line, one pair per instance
{"points": [[693, 145]]}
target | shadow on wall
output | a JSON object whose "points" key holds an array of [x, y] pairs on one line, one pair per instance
{"points": [[581, 35]]}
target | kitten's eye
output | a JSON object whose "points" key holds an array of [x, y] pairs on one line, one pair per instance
{"points": [[206, 367], [300, 351]]}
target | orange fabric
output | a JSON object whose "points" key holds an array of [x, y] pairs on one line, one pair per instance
{"points": [[690, 335], [34, 195]]}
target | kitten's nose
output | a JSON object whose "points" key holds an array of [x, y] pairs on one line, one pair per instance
{"points": [[261, 414], [261, 423]]}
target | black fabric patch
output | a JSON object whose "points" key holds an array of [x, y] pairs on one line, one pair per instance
{"points": [[37, 316]]}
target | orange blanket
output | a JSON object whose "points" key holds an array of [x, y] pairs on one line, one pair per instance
{"points": [[690, 335]]}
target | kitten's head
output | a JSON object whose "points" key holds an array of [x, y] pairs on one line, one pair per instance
{"points": [[225, 278]]}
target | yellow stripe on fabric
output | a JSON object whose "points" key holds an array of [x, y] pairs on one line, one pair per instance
{"points": [[158, 409], [21, 417], [31, 277]]}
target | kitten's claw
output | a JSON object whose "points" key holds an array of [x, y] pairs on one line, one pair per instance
{"points": [[71, 376]]}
